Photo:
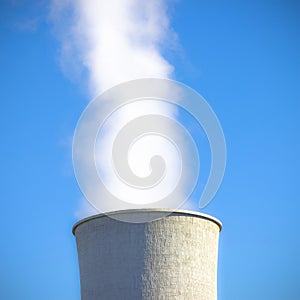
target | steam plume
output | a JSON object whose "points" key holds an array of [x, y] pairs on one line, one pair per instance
{"points": [[115, 40]]}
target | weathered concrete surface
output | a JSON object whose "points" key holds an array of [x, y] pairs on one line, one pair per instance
{"points": [[170, 258]]}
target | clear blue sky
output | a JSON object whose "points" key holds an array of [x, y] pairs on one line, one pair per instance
{"points": [[244, 58]]}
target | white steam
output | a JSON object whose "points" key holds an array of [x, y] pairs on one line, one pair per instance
{"points": [[116, 40]]}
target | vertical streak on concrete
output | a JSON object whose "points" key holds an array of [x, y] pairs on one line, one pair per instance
{"points": [[174, 257]]}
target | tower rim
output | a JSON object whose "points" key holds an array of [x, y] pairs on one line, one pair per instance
{"points": [[171, 212]]}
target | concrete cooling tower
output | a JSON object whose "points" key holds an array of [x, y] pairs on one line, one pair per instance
{"points": [[174, 257]]}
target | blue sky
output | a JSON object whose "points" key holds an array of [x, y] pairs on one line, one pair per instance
{"points": [[243, 57]]}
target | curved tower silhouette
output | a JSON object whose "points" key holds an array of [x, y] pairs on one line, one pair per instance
{"points": [[174, 257]]}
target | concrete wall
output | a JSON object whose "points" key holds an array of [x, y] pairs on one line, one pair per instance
{"points": [[170, 258]]}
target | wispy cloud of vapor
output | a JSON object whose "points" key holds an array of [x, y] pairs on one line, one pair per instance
{"points": [[115, 40]]}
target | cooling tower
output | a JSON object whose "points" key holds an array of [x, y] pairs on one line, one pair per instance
{"points": [[174, 257]]}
